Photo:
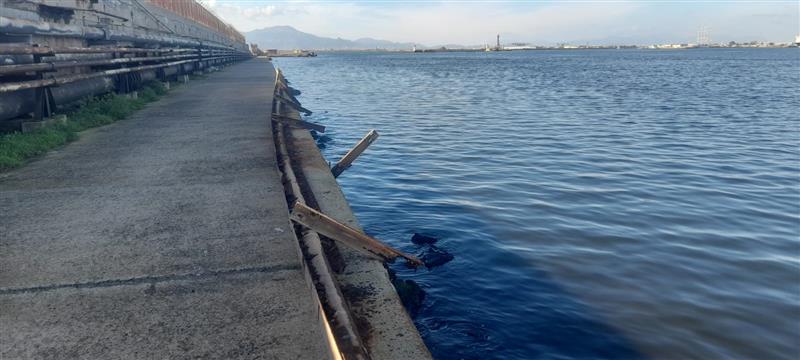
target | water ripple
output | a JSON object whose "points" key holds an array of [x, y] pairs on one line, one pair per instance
{"points": [[599, 204]]}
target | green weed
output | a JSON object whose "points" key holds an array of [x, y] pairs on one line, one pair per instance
{"points": [[17, 147]]}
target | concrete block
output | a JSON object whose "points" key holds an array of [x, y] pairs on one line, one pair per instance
{"points": [[29, 126]]}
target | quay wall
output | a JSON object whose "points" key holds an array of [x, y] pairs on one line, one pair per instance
{"points": [[114, 22]]}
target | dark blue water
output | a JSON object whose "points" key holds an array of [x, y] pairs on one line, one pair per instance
{"points": [[599, 204]]}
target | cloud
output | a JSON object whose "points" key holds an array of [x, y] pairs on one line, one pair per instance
{"points": [[476, 24], [473, 23], [256, 13]]}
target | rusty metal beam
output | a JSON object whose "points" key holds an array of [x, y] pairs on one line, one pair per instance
{"points": [[289, 121], [353, 238], [55, 65], [351, 155], [46, 50], [32, 84], [293, 103], [11, 49]]}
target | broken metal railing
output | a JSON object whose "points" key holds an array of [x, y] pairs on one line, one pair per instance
{"points": [[290, 121], [317, 221], [325, 225], [293, 103], [335, 308], [312, 223], [347, 159], [345, 162]]}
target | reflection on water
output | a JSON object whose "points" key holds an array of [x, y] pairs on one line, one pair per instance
{"points": [[599, 204]]}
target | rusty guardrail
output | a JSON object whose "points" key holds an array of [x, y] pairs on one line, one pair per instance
{"points": [[121, 65]]}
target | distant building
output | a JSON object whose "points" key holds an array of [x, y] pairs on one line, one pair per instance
{"points": [[703, 36], [255, 50], [497, 46]]}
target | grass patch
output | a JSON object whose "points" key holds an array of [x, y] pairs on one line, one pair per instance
{"points": [[17, 147]]}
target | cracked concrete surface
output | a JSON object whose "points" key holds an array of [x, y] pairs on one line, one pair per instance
{"points": [[164, 235]]}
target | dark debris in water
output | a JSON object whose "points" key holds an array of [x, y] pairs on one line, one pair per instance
{"points": [[411, 295], [421, 239], [434, 256], [431, 255]]}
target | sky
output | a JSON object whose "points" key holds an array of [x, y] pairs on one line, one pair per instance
{"points": [[468, 22]]}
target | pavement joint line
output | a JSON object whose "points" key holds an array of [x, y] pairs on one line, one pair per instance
{"points": [[96, 188], [147, 279]]}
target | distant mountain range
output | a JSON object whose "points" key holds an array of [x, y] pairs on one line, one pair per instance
{"points": [[289, 38]]}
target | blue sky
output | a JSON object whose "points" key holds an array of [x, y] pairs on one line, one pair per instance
{"points": [[540, 22]]}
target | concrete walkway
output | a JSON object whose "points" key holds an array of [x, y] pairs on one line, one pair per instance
{"points": [[164, 235]]}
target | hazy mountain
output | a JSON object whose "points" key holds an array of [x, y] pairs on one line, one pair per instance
{"points": [[289, 38], [370, 43]]}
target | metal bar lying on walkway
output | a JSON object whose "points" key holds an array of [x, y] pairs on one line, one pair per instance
{"points": [[335, 230], [289, 121], [351, 155]]}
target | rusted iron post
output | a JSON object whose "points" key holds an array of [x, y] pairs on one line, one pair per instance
{"points": [[43, 96], [292, 103], [351, 155], [289, 121], [353, 238]]}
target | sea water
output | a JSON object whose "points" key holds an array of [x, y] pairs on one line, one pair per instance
{"points": [[598, 203]]}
